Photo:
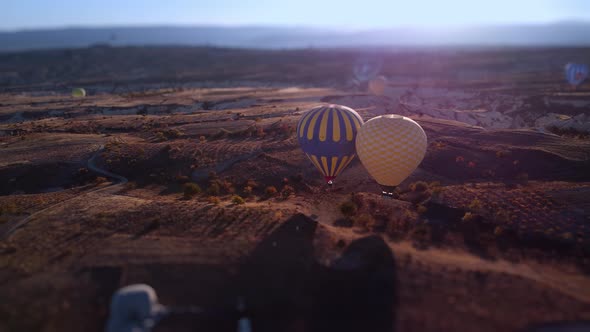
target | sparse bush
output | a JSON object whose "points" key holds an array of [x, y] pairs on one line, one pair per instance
{"points": [[173, 133], [9, 208], [191, 189], [475, 205], [286, 130], [502, 154], [421, 209], [418, 197], [202, 139], [419, 186], [130, 185], [498, 231], [160, 136], [287, 191], [260, 132], [567, 236], [213, 189], [227, 186], [270, 191], [469, 217], [237, 199], [100, 180], [247, 191], [182, 179], [348, 209], [214, 200], [364, 220], [252, 184], [502, 215], [569, 132], [437, 192], [439, 145]]}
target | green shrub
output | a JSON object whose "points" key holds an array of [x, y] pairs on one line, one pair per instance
{"points": [[475, 205], [469, 217], [237, 199], [214, 200], [364, 220], [213, 189], [421, 209], [100, 180], [270, 191], [9, 208], [182, 179], [419, 186], [191, 189], [160, 136], [348, 209], [287, 191], [247, 191]]}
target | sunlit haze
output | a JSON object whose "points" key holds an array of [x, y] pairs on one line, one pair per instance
{"points": [[366, 14]]}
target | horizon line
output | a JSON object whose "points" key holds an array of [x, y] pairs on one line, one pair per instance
{"points": [[294, 26]]}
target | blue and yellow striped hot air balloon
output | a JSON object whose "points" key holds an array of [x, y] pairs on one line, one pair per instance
{"points": [[576, 73], [327, 136]]}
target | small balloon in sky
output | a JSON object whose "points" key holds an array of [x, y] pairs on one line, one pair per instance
{"points": [[367, 67], [78, 92], [377, 85], [576, 73]]}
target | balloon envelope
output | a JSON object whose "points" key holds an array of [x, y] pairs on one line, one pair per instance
{"points": [[327, 136], [576, 73], [391, 147], [377, 85], [78, 92], [367, 68]]}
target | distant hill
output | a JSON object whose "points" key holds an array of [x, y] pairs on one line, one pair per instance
{"points": [[558, 34]]}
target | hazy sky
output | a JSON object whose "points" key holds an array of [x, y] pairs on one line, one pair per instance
{"points": [[359, 14]]}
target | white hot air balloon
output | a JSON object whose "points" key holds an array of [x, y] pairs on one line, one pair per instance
{"points": [[390, 147], [78, 92]]}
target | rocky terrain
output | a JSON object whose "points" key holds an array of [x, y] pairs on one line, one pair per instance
{"points": [[180, 169]]}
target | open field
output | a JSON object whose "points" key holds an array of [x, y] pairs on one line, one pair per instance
{"points": [[491, 233]]}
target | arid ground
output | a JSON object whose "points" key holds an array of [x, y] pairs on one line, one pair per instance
{"points": [[180, 169]]}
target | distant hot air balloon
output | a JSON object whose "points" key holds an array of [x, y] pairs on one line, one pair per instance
{"points": [[78, 92], [367, 68], [390, 147], [327, 136], [377, 85], [576, 73]]}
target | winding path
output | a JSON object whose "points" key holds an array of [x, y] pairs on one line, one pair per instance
{"points": [[7, 230]]}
